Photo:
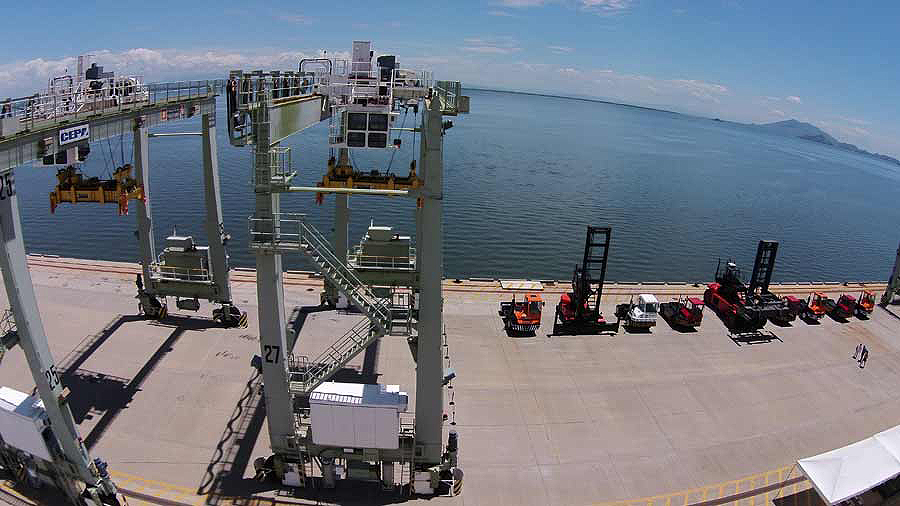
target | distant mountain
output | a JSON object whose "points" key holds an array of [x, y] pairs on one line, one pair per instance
{"points": [[801, 130]]}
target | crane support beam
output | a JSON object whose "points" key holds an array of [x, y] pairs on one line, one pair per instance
{"points": [[345, 191], [893, 285], [144, 216], [40, 137], [215, 228], [75, 463], [430, 262]]}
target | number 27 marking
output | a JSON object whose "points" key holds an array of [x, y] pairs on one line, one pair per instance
{"points": [[273, 353]]}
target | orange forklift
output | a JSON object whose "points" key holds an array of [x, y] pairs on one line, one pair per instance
{"points": [[810, 310], [522, 315], [865, 304]]}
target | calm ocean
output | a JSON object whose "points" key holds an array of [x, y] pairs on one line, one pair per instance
{"points": [[524, 174]]}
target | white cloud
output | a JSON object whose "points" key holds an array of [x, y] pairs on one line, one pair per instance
{"points": [[501, 14], [295, 18], [491, 45], [154, 65], [777, 112], [855, 121], [794, 99], [606, 7], [521, 3], [491, 49], [560, 49], [568, 70]]}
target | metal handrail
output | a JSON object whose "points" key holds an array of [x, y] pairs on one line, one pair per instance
{"points": [[257, 88], [393, 262], [343, 348], [7, 323], [174, 273], [297, 221], [74, 103]]}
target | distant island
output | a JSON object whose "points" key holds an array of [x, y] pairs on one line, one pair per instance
{"points": [[786, 128], [801, 130]]}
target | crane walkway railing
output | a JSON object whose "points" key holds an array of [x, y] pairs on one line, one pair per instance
{"points": [[291, 232], [43, 110]]}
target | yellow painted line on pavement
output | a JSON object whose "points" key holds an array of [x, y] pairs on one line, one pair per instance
{"points": [[11, 491], [719, 489]]}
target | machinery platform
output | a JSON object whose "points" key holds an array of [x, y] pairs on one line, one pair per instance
{"points": [[174, 405]]}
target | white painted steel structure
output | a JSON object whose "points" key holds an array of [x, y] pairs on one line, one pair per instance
{"points": [[360, 100]]}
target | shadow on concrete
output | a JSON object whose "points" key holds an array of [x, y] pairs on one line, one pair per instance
{"points": [[520, 333], [753, 337], [224, 476], [346, 493], [807, 497], [681, 329], [838, 318], [45, 496], [890, 311], [298, 319], [104, 395], [810, 321]]}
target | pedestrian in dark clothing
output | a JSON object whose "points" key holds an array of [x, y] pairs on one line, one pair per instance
{"points": [[140, 284], [863, 357], [857, 352]]}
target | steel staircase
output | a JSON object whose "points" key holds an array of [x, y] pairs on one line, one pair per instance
{"points": [[291, 232]]}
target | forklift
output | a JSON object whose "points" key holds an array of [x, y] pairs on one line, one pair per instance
{"points": [[684, 312], [578, 311], [522, 315], [844, 308], [865, 304]]}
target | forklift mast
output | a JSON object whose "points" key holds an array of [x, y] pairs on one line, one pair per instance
{"points": [[592, 271], [763, 267]]}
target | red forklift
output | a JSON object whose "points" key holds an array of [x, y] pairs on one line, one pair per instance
{"points": [[578, 311], [844, 308], [685, 312]]}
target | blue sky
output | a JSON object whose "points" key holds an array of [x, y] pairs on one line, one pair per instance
{"points": [[835, 64]]}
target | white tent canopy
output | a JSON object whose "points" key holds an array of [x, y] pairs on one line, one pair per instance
{"points": [[846, 472]]}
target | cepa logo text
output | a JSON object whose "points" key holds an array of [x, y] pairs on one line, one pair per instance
{"points": [[75, 133]]}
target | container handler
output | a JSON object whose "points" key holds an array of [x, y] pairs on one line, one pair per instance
{"points": [[578, 311], [745, 308]]}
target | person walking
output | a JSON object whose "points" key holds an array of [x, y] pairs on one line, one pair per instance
{"points": [[857, 352], [863, 357]]}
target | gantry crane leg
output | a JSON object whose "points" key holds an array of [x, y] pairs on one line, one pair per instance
{"points": [[73, 464]]}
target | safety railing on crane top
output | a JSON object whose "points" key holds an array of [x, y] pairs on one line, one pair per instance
{"points": [[175, 273], [66, 104], [356, 258], [262, 87], [448, 93]]}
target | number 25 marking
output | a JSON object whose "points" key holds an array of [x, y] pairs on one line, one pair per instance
{"points": [[52, 376]]}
